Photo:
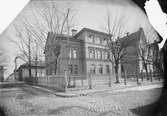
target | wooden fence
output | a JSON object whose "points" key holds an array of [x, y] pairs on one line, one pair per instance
{"points": [[62, 82]]}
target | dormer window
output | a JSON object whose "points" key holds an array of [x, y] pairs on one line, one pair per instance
{"points": [[90, 38], [97, 40]]}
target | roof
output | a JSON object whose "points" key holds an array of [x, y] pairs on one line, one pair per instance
{"points": [[131, 39], [63, 36], [52, 35], [89, 30]]}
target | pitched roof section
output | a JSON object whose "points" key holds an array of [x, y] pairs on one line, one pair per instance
{"points": [[52, 35], [89, 30], [131, 39]]}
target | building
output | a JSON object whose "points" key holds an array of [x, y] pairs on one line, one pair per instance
{"points": [[83, 52], [71, 55], [86, 51], [23, 71]]}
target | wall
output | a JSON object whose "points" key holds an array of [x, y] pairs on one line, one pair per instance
{"points": [[25, 72]]}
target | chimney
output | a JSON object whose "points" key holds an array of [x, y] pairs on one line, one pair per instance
{"points": [[127, 34], [140, 28], [74, 31]]}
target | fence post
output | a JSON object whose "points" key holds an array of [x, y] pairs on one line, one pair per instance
{"points": [[109, 79], [125, 76], [65, 80], [74, 81], [151, 76], [159, 75], [138, 78], [82, 82], [142, 75], [47, 82], [69, 80], [90, 80]]}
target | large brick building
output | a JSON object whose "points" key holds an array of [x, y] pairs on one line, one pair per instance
{"points": [[86, 51], [82, 52]]}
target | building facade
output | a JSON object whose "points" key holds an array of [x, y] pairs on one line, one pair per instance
{"points": [[87, 51], [1, 73], [81, 53]]}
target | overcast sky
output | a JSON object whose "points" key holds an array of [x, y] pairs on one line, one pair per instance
{"points": [[92, 14]]}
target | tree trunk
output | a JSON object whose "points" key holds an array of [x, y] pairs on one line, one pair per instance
{"points": [[56, 65], [145, 66], [116, 73], [147, 76], [29, 61], [36, 69]]}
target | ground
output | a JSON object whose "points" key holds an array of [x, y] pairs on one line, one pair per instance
{"points": [[29, 101]]}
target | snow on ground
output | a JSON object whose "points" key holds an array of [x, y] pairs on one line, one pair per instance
{"points": [[27, 101]]}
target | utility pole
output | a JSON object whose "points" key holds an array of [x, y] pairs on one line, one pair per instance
{"points": [[68, 48]]}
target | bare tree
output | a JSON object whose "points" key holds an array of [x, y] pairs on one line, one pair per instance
{"points": [[146, 51], [58, 22], [116, 50], [33, 33], [24, 44]]}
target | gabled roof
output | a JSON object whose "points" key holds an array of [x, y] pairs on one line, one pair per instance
{"points": [[131, 39], [89, 30]]}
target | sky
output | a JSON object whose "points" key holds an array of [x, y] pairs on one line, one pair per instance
{"points": [[92, 15]]}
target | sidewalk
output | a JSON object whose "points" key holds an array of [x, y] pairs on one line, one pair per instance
{"points": [[121, 87], [115, 88]]}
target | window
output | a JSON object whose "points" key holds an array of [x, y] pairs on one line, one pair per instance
{"points": [[91, 53], [107, 69], [105, 42], [93, 68], [97, 40], [91, 38], [75, 69], [74, 53], [70, 53], [100, 69], [70, 68], [105, 55], [98, 54]]}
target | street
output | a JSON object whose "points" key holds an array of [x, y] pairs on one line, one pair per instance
{"points": [[28, 101]]}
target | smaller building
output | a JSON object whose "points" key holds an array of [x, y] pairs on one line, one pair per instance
{"points": [[23, 71], [139, 54], [10, 77], [1, 73]]}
